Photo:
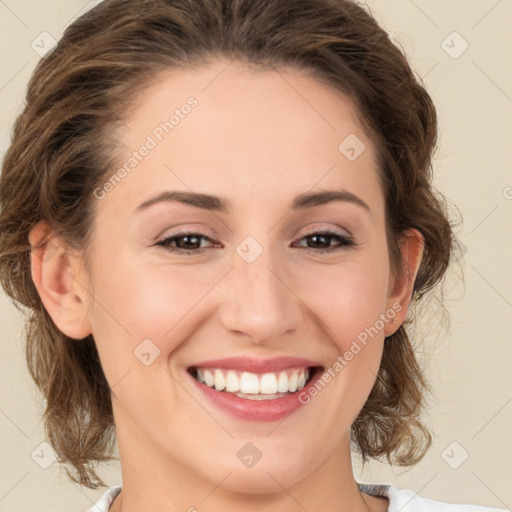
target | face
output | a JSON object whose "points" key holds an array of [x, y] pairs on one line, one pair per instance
{"points": [[249, 273]]}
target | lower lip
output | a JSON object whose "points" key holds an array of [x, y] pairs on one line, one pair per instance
{"points": [[256, 410]]}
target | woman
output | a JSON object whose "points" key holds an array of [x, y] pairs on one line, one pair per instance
{"points": [[219, 214]]}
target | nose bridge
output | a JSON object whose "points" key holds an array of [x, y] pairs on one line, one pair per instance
{"points": [[259, 303]]}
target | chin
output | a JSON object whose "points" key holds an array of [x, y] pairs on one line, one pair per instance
{"points": [[261, 478]]}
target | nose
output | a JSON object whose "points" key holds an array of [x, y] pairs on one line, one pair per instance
{"points": [[259, 300]]}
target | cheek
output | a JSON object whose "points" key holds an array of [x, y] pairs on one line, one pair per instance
{"points": [[136, 302], [348, 297], [350, 300]]}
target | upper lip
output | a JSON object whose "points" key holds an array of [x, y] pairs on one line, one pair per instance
{"points": [[249, 364]]}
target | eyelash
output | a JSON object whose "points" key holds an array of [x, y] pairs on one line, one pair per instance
{"points": [[344, 242]]}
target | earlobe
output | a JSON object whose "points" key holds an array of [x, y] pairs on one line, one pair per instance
{"points": [[53, 271], [401, 289]]}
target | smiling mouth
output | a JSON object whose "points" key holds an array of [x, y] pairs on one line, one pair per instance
{"points": [[255, 386]]}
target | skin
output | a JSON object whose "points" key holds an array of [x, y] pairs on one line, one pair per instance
{"points": [[258, 139]]}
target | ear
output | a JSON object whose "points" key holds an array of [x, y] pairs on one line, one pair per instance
{"points": [[54, 272], [400, 288]]}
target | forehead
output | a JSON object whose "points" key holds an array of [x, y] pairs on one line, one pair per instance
{"points": [[265, 132]]}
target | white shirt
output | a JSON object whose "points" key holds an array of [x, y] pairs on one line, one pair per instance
{"points": [[400, 500]]}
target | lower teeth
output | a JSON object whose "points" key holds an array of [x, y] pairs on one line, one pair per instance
{"points": [[260, 397]]}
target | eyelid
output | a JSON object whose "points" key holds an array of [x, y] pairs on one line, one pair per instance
{"points": [[323, 229], [199, 230]]}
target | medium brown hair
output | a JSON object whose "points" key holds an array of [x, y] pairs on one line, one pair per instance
{"points": [[61, 151]]}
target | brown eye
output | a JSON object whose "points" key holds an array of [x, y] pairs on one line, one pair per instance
{"points": [[187, 243], [320, 241]]}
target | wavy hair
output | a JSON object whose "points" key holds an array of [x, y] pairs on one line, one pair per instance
{"points": [[61, 151]]}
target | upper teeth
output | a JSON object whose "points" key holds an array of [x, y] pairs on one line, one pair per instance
{"points": [[233, 381]]}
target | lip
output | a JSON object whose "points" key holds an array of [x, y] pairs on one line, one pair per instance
{"points": [[250, 364], [257, 410]]}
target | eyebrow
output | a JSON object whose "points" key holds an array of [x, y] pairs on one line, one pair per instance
{"points": [[217, 204]]}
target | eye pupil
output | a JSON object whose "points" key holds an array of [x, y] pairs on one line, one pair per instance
{"points": [[321, 237], [187, 245]]}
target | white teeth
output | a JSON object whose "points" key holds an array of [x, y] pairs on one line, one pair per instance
{"points": [[293, 382], [249, 383], [268, 384], [220, 383], [273, 385], [232, 382], [208, 378], [282, 383]]}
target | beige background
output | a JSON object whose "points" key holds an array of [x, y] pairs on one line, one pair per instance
{"points": [[469, 363]]}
